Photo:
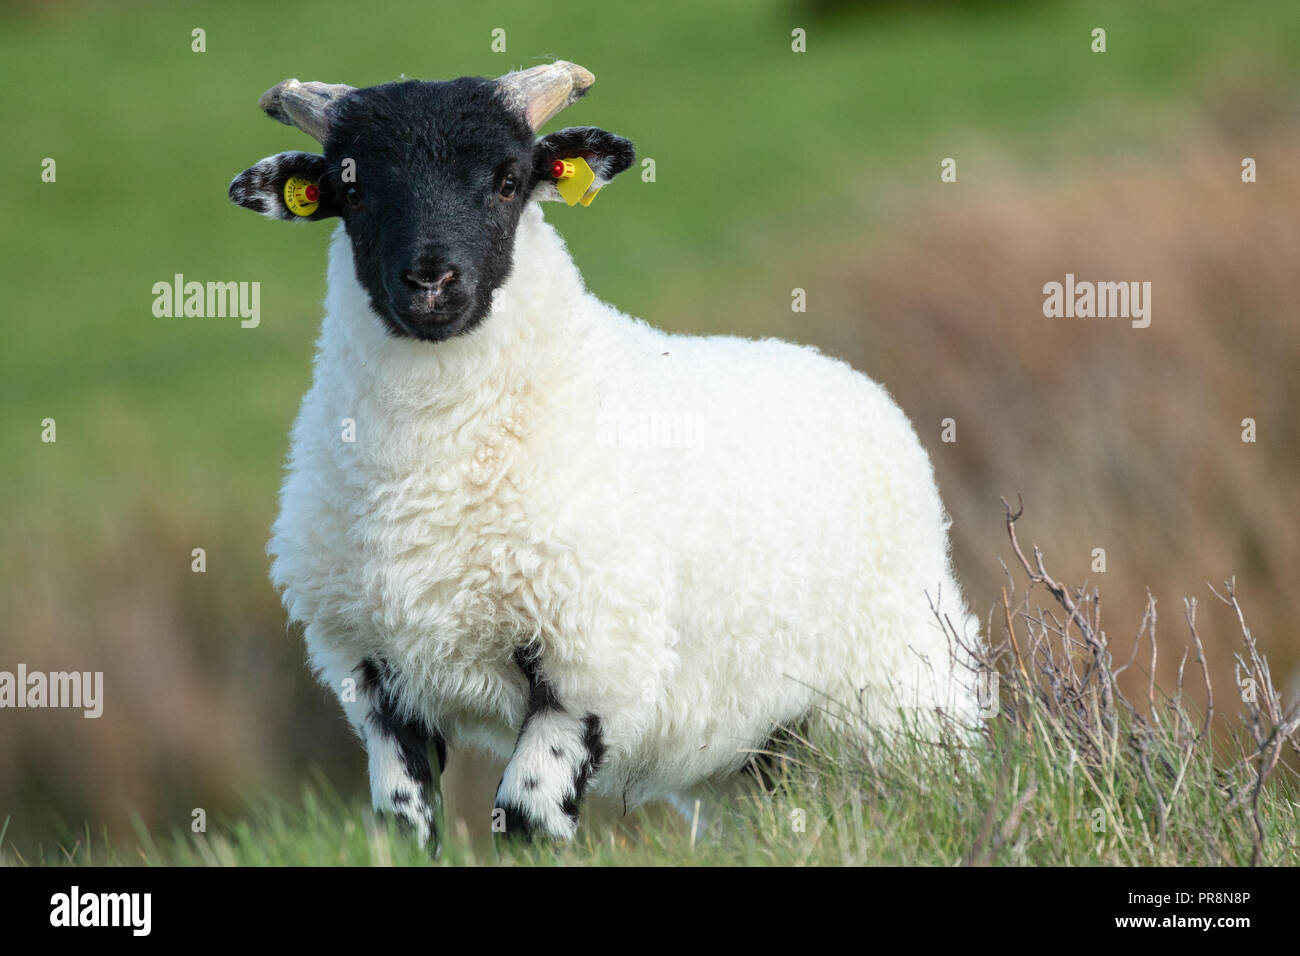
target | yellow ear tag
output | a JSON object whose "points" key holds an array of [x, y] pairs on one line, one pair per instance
{"points": [[302, 196], [573, 177]]}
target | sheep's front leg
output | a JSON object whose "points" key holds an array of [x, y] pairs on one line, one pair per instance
{"points": [[398, 753], [555, 757]]}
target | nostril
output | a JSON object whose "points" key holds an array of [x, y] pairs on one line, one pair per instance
{"points": [[422, 281], [416, 280]]}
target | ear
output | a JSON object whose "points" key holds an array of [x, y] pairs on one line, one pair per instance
{"points": [[606, 154], [261, 188]]}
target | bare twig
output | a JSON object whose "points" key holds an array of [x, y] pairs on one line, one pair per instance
{"points": [[1066, 683]]}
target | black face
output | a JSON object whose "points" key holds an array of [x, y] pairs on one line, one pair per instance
{"points": [[430, 180], [442, 172]]}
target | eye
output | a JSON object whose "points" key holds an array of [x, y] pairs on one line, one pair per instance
{"points": [[353, 196], [508, 186]]}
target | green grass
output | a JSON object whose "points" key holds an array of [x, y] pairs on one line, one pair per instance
{"points": [[756, 148], [1016, 802]]}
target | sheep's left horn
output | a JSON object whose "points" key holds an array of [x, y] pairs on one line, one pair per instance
{"points": [[541, 92], [304, 105]]}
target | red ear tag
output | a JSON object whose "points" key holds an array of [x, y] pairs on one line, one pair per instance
{"points": [[301, 195]]}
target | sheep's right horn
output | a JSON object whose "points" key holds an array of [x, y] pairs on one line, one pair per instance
{"points": [[541, 92], [304, 105]]}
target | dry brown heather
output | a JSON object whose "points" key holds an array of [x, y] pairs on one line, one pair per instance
{"points": [[204, 694], [1118, 438]]}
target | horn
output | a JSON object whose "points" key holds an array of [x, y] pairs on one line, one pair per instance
{"points": [[304, 105], [539, 93]]}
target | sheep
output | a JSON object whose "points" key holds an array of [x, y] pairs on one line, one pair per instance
{"points": [[488, 548]]}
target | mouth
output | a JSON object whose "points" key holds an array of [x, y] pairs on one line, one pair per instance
{"points": [[429, 325]]}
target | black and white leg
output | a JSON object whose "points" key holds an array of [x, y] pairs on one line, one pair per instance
{"points": [[397, 749], [554, 760]]}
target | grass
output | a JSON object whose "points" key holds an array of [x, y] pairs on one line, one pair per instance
{"points": [[1068, 771], [1018, 801], [142, 173]]}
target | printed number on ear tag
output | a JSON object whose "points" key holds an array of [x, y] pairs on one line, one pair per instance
{"points": [[302, 196], [573, 177]]}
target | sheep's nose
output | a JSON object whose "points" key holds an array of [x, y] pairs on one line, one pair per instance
{"points": [[425, 282]]}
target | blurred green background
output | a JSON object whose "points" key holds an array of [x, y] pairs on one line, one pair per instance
{"points": [[774, 170]]}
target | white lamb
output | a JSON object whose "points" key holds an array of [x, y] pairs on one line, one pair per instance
{"points": [[517, 519]]}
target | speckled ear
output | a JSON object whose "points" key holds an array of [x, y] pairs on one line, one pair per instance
{"points": [[288, 186]]}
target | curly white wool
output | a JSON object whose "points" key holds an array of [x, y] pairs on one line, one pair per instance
{"points": [[515, 486]]}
